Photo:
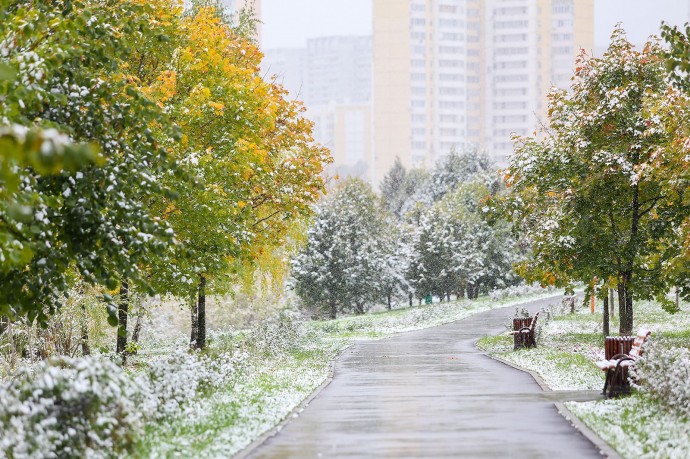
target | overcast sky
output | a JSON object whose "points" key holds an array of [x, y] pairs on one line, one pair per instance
{"points": [[288, 23]]}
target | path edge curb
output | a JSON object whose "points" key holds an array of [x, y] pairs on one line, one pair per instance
{"points": [[247, 450], [604, 448]]}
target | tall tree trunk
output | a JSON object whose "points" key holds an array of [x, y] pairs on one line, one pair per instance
{"points": [[122, 311], [606, 316], [625, 305], [85, 350], [611, 304], [629, 312], [195, 323], [333, 309], [410, 296], [201, 314], [388, 297], [677, 300]]}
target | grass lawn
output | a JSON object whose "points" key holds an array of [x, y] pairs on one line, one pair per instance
{"points": [[635, 426]]}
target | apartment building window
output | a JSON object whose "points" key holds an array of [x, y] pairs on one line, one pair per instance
{"points": [[450, 77], [510, 105], [449, 132], [418, 91], [418, 103], [448, 118], [562, 36], [418, 118], [451, 49], [473, 79], [418, 62], [510, 51], [510, 119], [451, 104], [511, 65], [445, 91], [446, 63], [510, 24], [418, 7], [448, 9], [418, 145], [510, 37], [562, 50], [452, 23], [418, 77], [452, 36], [512, 11], [419, 132], [509, 78], [512, 92], [473, 12], [418, 22]]}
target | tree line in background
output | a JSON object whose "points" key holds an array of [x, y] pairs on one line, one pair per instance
{"points": [[426, 235], [142, 153]]}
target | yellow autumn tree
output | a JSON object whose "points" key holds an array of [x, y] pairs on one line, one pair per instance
{"points": [[251, 167]]}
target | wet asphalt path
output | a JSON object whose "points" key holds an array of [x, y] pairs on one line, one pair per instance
{"points": [[431, 393]]}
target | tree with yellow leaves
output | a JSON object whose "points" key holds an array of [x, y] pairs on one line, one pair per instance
{"points": [[251, 168]]}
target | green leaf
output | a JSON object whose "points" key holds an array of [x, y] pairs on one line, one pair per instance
{"points": [[7, 72]]}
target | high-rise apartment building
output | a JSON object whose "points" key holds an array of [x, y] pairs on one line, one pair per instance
{"points": [[467, 73], [531, 46], [333, 77], [428, 60]]}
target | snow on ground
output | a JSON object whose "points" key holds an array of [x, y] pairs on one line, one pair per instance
{"points": [[636, 426]]}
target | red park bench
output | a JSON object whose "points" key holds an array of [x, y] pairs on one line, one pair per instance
{"points": [[524, 332], [620, 353]]}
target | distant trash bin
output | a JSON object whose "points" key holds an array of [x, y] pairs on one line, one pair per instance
{"points": [[428, 299]]}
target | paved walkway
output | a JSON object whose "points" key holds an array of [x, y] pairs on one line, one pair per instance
{"points": [[431, 393]]}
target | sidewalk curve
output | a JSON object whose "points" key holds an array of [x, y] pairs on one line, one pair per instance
{"points": [[430, 393]]}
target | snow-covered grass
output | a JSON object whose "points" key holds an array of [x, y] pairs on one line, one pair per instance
{"points": [[285, 362], [215, 403], [636, 426]]}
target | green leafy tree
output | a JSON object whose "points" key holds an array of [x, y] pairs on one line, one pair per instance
{"points": [[587, 195], [61, 63]]}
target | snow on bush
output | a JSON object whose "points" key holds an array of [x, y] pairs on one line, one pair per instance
{"points": [[70, 408], [173, 381], [275, 338], [91, 408], [663, 373]]}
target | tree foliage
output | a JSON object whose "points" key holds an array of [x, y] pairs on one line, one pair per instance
{"points": [[587, 195], [251, 168], [337, 271], [62, 92]]}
